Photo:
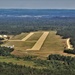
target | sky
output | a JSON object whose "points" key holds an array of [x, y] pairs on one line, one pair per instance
{"points": [[37, 4]]}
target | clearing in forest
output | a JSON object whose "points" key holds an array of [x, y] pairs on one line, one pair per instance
{"points": [[41, 43]]}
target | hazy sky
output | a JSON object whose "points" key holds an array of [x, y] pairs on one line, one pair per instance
{"points": [[38, 4]]}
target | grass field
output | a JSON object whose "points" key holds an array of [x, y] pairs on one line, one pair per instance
{"points": [[40, 42], [28, 36], [19, 37], [35, 36], [53, 44], [20, 62]]}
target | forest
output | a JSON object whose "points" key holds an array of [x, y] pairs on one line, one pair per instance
{"points": [[65, 26], [54, 64], [4, 51]]}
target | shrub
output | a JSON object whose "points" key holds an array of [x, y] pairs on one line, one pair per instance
{"points": [[69, 51], [4, 51]]}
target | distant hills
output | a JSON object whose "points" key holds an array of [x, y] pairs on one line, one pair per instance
{"points": [[47, 13]]}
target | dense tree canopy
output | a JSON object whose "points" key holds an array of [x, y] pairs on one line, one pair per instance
{"points": [[4, 51], [56, 64]]}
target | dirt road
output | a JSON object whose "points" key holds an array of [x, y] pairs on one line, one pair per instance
{"points": [[69, 46]]}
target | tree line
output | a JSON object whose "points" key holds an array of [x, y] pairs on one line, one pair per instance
{"points": [[54, 65]]}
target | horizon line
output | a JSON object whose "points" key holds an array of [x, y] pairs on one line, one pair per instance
{"points": [[42, 8]]}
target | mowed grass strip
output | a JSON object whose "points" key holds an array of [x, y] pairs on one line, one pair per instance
{"points": [[19, 37], [23, 45], [29, 43], [53, 42], [35, 36], [40, 42], [52, 45], [25, 38], [28, 36]]}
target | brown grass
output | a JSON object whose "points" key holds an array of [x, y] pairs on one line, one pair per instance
{"points": [[19, 37], [40, 42], [53, 44]]}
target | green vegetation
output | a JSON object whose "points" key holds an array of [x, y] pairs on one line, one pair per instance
{"points": [[64, 26], [32, 65], [69, 51], [55, 65], [4, 51], [29, 65]]}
